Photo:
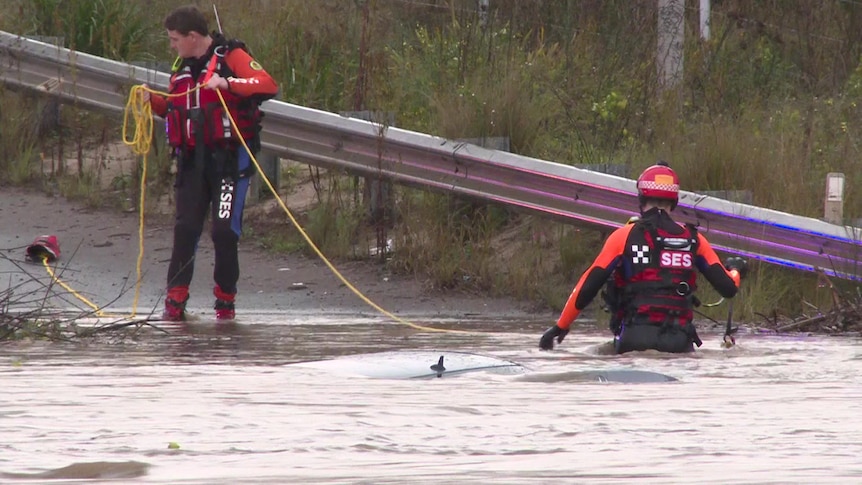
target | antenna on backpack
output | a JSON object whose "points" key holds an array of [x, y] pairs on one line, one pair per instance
{"points": [[218, 22]]}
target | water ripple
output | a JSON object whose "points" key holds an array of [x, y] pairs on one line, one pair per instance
{"points": [[774, 409]]}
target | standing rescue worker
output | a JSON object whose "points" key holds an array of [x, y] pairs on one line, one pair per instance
{"points": [[213, 167], [652, 262]]}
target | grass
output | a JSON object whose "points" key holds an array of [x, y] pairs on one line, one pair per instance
{"points": [[763, 107]]}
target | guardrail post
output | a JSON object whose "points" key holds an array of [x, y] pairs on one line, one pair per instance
{"points": [[833, 205], [270, 165], [377, 194], [618, 169], [467, 206], [490, 142], [49, 113]]}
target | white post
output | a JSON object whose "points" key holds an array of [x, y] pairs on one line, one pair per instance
{"points": [[483, 13], [704, 19], [671, 35], [833, 207]]}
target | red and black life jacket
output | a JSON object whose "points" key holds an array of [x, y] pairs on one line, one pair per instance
{"points": [[198, 116], [659, 278]]}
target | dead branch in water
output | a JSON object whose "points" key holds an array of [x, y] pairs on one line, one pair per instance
{"points": [[28, 311], [844, 317]]}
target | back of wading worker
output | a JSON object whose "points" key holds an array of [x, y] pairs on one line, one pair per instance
{"points": [[652, 262], [213, 167]]}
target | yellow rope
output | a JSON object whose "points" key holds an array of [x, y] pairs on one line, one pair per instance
{"points": [[98, 311], [139, 109]]}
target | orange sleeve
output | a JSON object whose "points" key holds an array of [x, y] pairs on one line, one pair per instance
{"points": [[710, 258], [249, 77], [613, 248], [704, 250], [159, 104]]}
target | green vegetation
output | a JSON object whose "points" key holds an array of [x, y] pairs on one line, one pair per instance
{"points": [[768, 104]]}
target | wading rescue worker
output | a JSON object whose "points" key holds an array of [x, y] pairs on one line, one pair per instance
{"points": [[652, 263], [213, 167]]}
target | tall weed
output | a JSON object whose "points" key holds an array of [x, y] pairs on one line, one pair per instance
{"points": [[116, 29]]}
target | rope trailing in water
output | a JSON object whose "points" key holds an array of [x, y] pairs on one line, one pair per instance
{"points": [[97, 310]]}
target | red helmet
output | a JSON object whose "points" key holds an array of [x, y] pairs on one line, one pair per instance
{"points": [[659, 182]]}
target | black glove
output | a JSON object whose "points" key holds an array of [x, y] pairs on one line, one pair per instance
{"points": [[547, 340], [737, 263]]}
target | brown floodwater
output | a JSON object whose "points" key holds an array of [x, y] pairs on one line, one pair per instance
{"points": [[200, 404]]}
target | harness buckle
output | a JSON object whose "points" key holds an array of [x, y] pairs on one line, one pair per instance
{"points": [[683, 289]]}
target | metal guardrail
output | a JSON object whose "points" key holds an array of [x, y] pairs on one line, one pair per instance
{"points": [[551, 189]]}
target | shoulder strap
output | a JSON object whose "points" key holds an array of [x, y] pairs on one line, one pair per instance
{"points": [[237, 44], [220, 40], [692, 234]]}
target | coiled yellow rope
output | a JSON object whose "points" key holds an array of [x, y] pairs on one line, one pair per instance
{"points": [[139, 108]]}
